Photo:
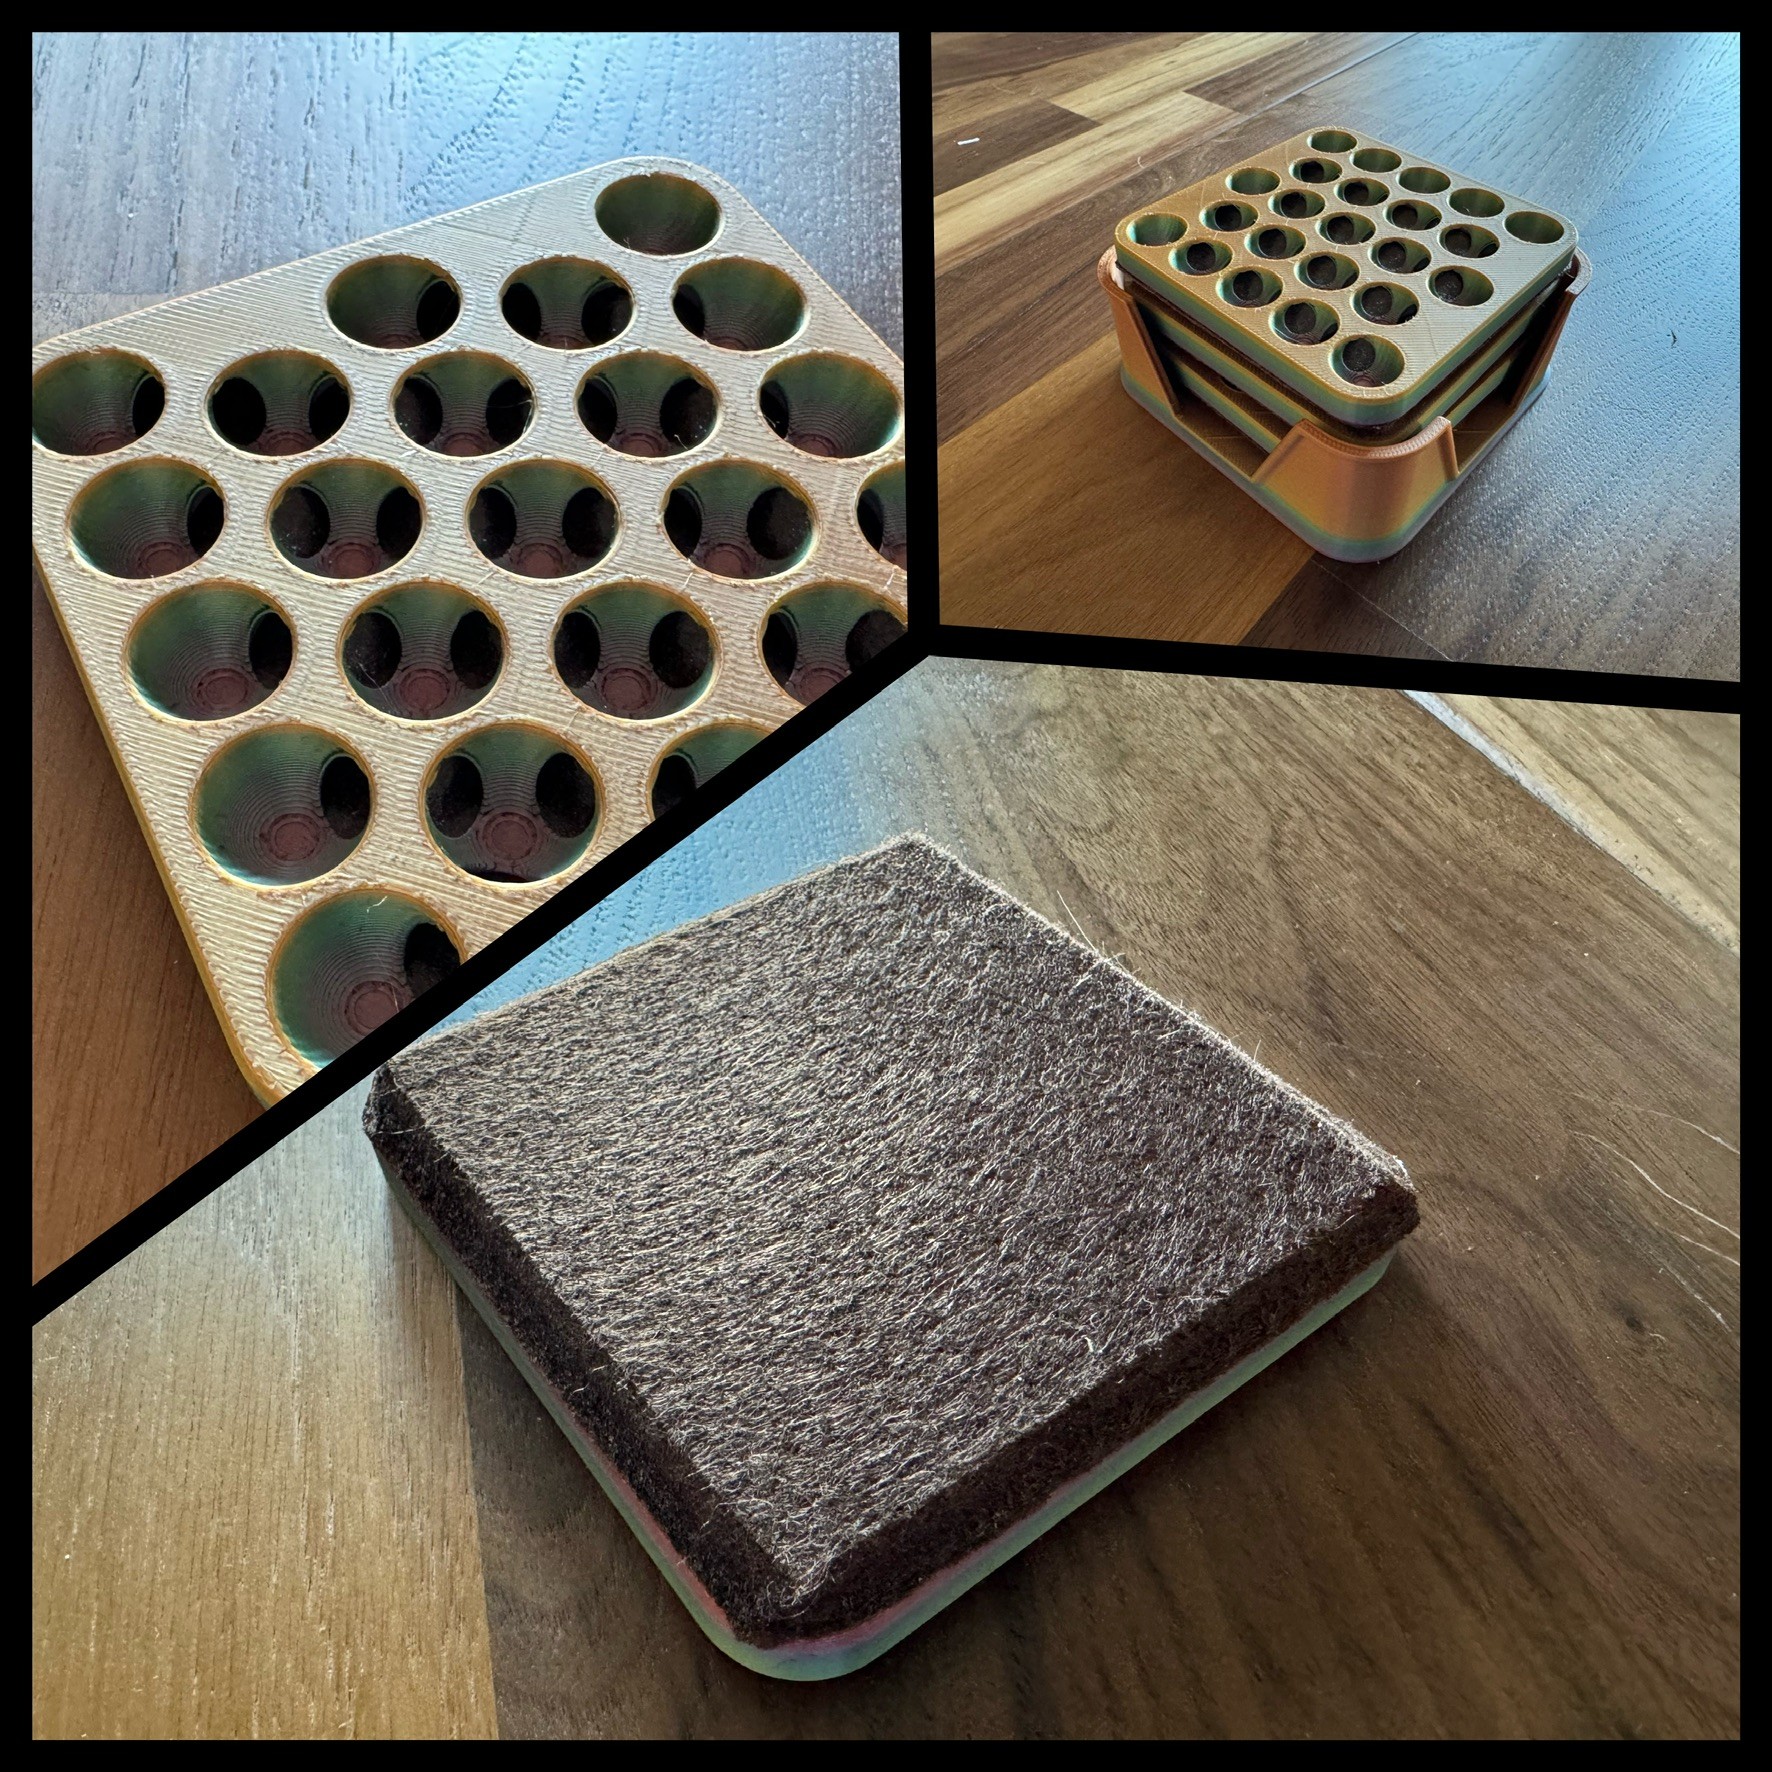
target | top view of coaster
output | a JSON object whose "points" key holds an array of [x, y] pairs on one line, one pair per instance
{"points": [[410, 579], [846, 1302]]}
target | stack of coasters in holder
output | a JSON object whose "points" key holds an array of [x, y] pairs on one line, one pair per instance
{"points": [[858, 1233], [1342, 328]]}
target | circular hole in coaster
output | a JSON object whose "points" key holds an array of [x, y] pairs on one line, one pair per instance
{"points": [[566, 304], [693, 760], [1346, 229], [1411, 212], [1156, 229], [345, 519], [1400, 256], [645, 404], [1296, 205], [1388, 304], [393, 303], [466, 403], [1201, 257], [1331, 141], [1473, 200], [738, 520], [278, 403], [1249, 288], [1367, 362], [831, 405], [1312, 171], [209, 652], [92, 402], [635, 652], [282, 805], [543, 519], [658, 213], [814, 637], [512, 804], [1460, 286], [1228, 217], [1252, 181], [1304, 322], [737, 304], [1363, 193], [1423, 179], [422, 651], [1532, 226], [145, 519], [1377, 160], [351, 963], [1467, 240], [1276, 242], [880, 513], [1327, 270]]}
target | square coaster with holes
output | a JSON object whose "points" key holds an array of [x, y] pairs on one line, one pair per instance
{"points": [[410, 579], [1354, 273], [858, 1233]]}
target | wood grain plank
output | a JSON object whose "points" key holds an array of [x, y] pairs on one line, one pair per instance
{"points": [[1253, 85], [1316, 612], [1657, 788], [132, 1081], [1141, 84], [1499, 1496], [971, 219], [251, 1474], [970, 150], [958, 58], [1192, 559]]}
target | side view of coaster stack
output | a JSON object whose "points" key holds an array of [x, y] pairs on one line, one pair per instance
{"points": [[409, 580], [1342, 328]]}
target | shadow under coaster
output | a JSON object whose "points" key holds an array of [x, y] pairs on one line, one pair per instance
{"points": [[856, 1234]]}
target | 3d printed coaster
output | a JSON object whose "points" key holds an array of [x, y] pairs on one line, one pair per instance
{"points": [[848, 1301], [1351, 272], [410, 579]]}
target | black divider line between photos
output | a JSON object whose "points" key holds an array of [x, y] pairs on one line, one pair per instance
{"points": [[472, 976], [1186, 658]]}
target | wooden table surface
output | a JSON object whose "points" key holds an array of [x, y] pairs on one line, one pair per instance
{"points": [[166, 163], [1603, 534], [284, 1484]]}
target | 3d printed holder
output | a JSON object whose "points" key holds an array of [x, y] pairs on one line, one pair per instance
{"points": [[410, 579], [1350, 377]]}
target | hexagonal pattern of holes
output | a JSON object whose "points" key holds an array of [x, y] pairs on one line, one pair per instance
{"points": [[1390, 217], [569, 333]]}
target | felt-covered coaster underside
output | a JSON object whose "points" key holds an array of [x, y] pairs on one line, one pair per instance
{"points": [[858, 1232]]}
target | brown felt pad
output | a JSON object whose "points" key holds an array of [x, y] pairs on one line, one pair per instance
{"points": [[852, 1221]]}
